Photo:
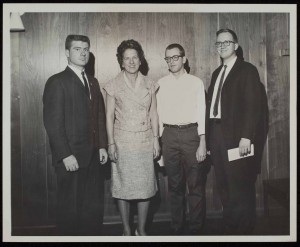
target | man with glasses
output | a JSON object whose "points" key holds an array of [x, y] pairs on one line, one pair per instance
{"points": [[181, 110], [232, 112]]}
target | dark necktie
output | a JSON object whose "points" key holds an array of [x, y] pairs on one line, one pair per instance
{"points": [[87, 91], [215, 112]]}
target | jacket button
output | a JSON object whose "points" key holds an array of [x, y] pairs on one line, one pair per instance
{"points": [[143, 123]]}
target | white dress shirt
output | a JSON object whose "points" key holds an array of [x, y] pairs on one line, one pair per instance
{"points": [[78, 73], [229, 67], [181, 101]]}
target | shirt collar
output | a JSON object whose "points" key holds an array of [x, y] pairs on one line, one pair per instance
{"points": [[76, 70], [230, 63], [138, 80], [183, 75]]}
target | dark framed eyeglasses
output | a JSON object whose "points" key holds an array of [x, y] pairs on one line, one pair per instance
{"points": [[174, 58], [225, 43]]}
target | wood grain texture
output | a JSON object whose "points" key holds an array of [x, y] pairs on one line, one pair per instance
{"points": [[16, 168], [257, 56], [239, 22], [278, 95], [51, 49], [40, 53], [33, 139]]}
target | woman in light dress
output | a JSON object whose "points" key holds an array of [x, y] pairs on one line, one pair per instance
{"points": [[132, 128]]}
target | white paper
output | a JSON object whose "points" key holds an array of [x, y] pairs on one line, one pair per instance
{"points": [[234, 154]]}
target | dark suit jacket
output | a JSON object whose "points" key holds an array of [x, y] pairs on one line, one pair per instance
{"points": [[240, 105], [74, 123]]}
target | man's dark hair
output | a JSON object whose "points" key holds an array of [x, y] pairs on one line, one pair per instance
{"points": [[227, 30], [182, 53], [175, 45], [75, 37], [132, 44]]}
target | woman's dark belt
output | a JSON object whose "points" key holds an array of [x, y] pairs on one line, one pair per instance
{"points": [[185, 126]]}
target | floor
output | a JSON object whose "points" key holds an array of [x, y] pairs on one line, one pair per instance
{"points": [[272, 225]]}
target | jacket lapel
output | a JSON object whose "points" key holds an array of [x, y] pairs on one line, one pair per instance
{"points": [[232, 72], [77, 82]]}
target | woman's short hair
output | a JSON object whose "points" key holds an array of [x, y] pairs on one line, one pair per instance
{"points": [[75, 37], [132, 44]]}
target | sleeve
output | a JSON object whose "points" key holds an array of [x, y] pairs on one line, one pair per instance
{"points": [[251, 103], [109, 88], [201, 109], [54, 119]]}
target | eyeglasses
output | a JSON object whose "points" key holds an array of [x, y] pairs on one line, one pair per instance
{"points": [[225, 43], [174, 58]]}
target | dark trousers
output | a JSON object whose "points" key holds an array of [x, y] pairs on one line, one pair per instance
{"points": [[236, 185], [179, 152], [80, 199]]}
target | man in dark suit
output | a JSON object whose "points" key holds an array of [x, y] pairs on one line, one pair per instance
{"points": [[74, 118], [233, 113]]}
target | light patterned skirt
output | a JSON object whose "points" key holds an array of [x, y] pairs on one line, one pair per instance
{"points": [[133, 176]]}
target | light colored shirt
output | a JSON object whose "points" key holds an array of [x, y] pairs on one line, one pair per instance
{"points": [[78, 73], [181, 101], [229, 67]]}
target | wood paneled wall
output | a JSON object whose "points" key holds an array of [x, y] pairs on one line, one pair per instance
{"points": [[39, 53]]}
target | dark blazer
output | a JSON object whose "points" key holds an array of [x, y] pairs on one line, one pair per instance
{"points": [[240, 104], [74, 123]]}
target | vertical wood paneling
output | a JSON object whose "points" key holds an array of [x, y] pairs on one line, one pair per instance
{"points": [[64, 30], [206, 61], [107, 43], [107, 68], [159, 35], [138, 24], [239, 22], [42, 54], [206, 57], [16, 169], [187, 34], [51, 49], [278, 95], [257, 56], [32, 130]]}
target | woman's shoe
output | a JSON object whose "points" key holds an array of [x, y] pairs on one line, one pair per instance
{"points": [[136, 233]]}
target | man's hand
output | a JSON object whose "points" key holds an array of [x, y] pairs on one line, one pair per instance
{"points": [[201, 151], [244, 146], [71, 163], [103, 156]]}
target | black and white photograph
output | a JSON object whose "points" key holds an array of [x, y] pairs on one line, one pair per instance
{"points": [[149, 122]]}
